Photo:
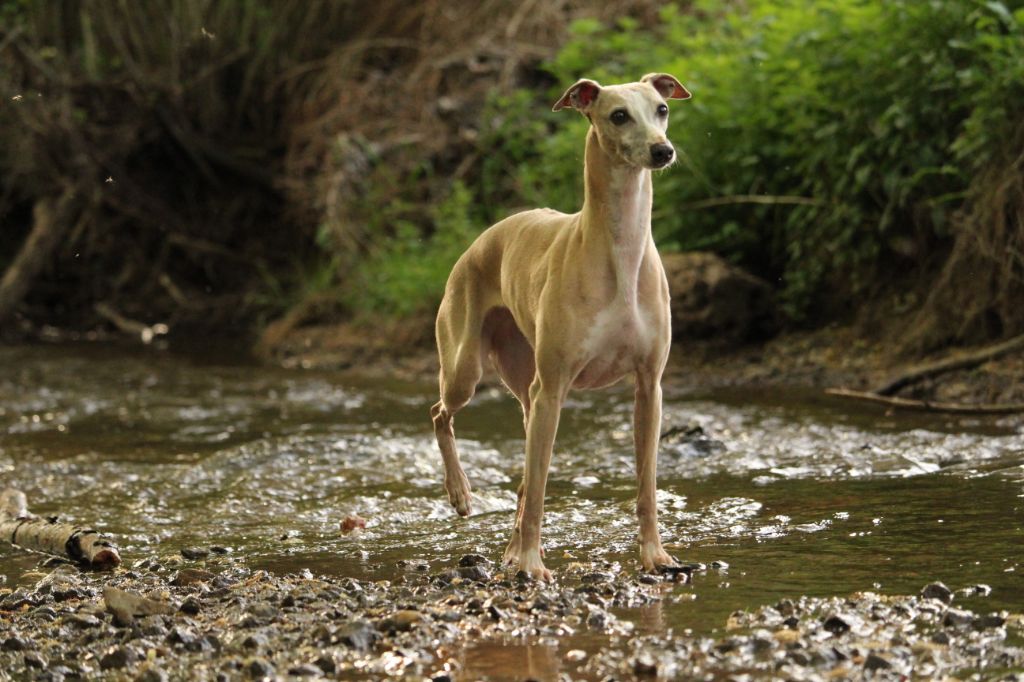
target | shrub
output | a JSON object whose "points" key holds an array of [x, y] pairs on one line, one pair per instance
{"points": [[859, 125]]}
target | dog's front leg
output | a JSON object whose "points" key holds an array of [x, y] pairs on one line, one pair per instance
{"points": [[646, 433], [524, 550]]}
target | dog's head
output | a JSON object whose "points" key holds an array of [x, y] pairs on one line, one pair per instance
{"points": [[630, 120]]}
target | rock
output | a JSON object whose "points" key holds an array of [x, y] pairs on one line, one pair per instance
{"points": [[34, 659], [191, 576], [194, 553], [644, 665], [152, 675], [118, 657], [190, 606], [126, 605], [938, 591], [957, 618], [836, 625], [712, 299], [477, 573], [83, 620], [875, 662], [993, 620], [14, 644], [255, 641], [474, 560], [305, 670], [359, 635], [259, 668], [326, 664], [402, 621]]}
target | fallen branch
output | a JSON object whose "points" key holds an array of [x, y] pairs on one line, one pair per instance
{"points": [[959, 361], [752, 199], [927, 405], [46, 535], [144, 331]]}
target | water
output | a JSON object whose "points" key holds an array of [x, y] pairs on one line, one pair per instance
{"points": [[798, 494]]}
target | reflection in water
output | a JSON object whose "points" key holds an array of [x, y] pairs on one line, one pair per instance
{"points": [[500, 661], [797, 495]]}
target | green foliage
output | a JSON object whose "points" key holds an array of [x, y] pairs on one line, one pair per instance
{"points": [[407, 273], [878, 112]]}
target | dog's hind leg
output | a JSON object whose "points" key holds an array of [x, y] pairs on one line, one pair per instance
{"points": [[460, 346], [513, 357]]}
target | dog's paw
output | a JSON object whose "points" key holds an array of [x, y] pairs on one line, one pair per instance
{"points": [[653, 556], [458, 489], [530, 563]]}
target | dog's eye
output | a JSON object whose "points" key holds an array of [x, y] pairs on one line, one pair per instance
{"points": [[619, 116], [662, 110]]}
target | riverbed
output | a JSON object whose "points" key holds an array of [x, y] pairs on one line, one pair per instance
{"points": [[780, 493]]}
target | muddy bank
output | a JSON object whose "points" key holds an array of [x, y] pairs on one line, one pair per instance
{"points": [[837, 356], [214, 618]]}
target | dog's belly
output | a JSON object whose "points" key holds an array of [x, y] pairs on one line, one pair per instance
{"points": [[618, 342]]}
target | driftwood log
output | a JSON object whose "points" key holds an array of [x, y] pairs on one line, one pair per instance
{"points": [[950, 364], [28, 531], [927, 405], [885, 394]]}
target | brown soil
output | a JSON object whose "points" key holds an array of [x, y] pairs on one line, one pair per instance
{"points": [[835, 356]]}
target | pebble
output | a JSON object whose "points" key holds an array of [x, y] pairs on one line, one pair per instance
{"points": [[938, 591], [14, 644], [474, 560], [194, 553], [118, 657], [305, 670], [875, 662], [359, 635], [259, 668], [34, 659], [83, 620], [836, 625], [957, 618]]}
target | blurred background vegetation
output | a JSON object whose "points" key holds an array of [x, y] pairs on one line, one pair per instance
{"points": [[217, 165]]}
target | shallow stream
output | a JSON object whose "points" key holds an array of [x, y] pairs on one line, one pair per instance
{"points": [[797, 494]]}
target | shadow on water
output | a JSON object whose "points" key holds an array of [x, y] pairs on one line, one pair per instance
{"points": [[797, 494]]}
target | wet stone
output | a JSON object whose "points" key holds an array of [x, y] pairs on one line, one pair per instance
{"points": [[83, 620], [259, 668], [875, 662], [118, 657], [14, 644], [190, 606], [152, 675], [836, 625], [990, 621], [474, 560], [792, 622], [34, 659], [359, 635], [403, 621], [940, 637], [305, 670], [194, 553], [191, 576], [326, 665], [477, 573], [644, 665], [939, 591], [957, 618], [256, 640]]}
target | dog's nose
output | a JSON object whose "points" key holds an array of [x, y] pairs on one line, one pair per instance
{"points": [[661, 154]]}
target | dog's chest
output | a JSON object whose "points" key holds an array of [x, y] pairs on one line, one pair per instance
{"points": [[619, 338]]}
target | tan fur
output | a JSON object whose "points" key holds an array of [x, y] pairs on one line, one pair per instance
{"points": [[562, 301]]}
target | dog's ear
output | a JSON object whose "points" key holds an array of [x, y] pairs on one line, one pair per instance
{"points": [[580, 96], [666, 85]]}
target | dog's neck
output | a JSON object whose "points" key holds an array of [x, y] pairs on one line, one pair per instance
{"points": [[616, 213]]}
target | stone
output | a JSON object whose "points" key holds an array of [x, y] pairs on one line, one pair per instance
{"points": [[14, 644], [305, 670], [938, 591], [126, 605], [836, 625], [957, 618], [34, 659], [712, 299], [474, 560], [359, 635], [118, 657], [191, 576], [259, 668], [194, 553], [875, 662]]}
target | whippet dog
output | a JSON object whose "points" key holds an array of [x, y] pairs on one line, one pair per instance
{"points": [[569, 301]]}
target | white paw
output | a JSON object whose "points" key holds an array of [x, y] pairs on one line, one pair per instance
{"points": [[458, 490]]}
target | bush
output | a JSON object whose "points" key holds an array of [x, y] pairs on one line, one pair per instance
{"points": [[861, 125]]}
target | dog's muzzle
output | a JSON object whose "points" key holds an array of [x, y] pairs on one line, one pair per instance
{"points": [[661, 155]]}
